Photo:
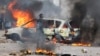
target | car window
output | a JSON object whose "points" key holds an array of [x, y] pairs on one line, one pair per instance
{"points": [[74, 25], [48, 23], [58, 24]]}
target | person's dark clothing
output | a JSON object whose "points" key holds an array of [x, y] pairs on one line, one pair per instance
{"points": [[40, 25]]}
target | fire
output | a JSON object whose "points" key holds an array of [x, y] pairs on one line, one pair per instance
{"points": [[81, 44], [22, 16], [43, 51]]}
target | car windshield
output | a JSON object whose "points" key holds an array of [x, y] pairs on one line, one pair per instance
{"points": [[48, 23], [51, 24], [58, 24]]}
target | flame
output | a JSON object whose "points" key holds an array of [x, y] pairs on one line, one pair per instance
{"points": [[81, 44], [43, 51], [22, 16]]}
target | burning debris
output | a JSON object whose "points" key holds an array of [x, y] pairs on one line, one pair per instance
{"points": [[81, 44], [44, 52], [29, 52]]}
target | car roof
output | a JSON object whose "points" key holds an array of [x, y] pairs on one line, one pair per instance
{"points": [[56, 19]]}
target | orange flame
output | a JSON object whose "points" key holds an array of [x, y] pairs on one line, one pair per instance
{"points": [[21, 16], [43, 51], [81, 44]]}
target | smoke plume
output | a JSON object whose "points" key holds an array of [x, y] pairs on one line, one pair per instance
{"points": [[50, 10], [88, 8], [93, 7]]}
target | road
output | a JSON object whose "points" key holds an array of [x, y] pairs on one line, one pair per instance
{"points": [[8, 46]]}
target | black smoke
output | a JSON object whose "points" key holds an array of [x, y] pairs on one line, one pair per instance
{"points": [[33, 5], [81, 11], [93, 7], [78, 13]]}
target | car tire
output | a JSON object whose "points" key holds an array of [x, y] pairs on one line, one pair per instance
{"points": [[15, 37]]}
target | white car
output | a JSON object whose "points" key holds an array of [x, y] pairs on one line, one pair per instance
{"points": [[59, 26], [51, 26]]}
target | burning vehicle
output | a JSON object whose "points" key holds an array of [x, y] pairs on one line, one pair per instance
{"points": [[59, 27], [59, 32], [26, 23], [51, 27]]}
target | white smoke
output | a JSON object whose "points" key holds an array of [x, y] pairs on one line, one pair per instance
{"points": [[66, 8], [49, 9]]}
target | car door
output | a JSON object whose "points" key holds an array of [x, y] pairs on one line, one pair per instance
{"points": [[48, 27], [65, 30]]}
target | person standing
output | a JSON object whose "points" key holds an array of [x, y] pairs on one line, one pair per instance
{"points": [[40, 23]]}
